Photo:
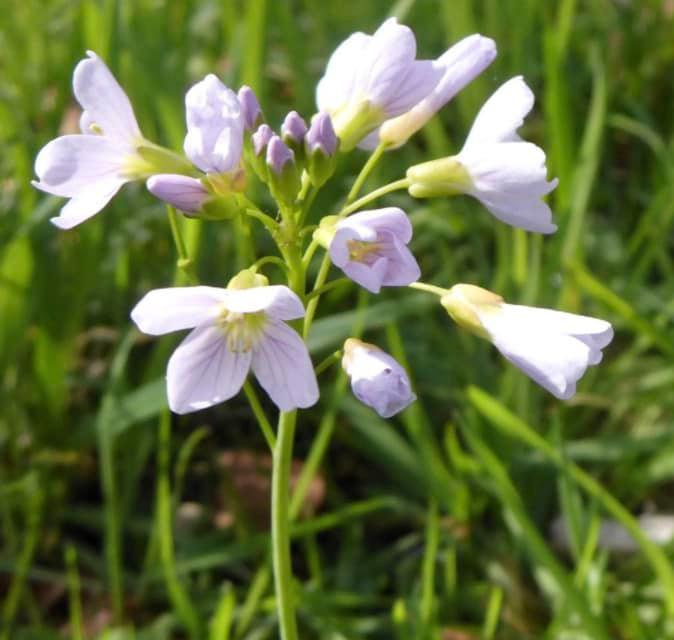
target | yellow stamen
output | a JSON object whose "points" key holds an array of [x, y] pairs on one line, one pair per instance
{"points": [[241, 330], [359, 250]]}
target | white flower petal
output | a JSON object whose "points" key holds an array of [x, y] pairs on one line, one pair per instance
{"points": [[502, 114], [597, 332], [277, 301], [370, 276], [70, 165], [556, 362], [86, 204], [215, 126], [104, 101], [336, 87], [174, 308], [283, 368], [390, 219], [203, 372]]}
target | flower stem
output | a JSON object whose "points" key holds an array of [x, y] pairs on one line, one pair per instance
{"points": [[260, 416], [184, 262], [328, 362], [313, 303], [326, 287], [179, 597], [365, 172], [280, 525], [428, 288], [373, 195]]}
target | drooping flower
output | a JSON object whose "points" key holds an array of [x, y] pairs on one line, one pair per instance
{"points": [[91, 168], [505, 173], [460, 65], [234, 330], [553, 348], [370, 247], [371, 78], [377, 379], [215, 126]]}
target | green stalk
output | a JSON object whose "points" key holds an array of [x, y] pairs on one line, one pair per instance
{"points": [[280, 525], [74, 594], [365, 172], [179, 597], [513, 426], [184, 262], [373, 195]]}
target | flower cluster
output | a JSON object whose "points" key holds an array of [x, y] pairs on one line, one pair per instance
{"points": [[375, 94]]}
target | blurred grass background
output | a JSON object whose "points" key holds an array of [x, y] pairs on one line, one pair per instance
{"points": [[434, 525]]}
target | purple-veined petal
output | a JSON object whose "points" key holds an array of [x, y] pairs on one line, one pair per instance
{"points": [[174, 308], [104, 101], [502, 114], [70, 165], [402, 267], [277, 301], [203, 372], [86, 204], [369, 276], [390, 219], [283, 368]]}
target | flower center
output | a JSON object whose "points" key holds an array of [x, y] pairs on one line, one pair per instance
{"points": [[241, 330], [360, 251]]}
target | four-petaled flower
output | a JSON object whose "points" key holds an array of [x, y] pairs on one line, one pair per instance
{"points": [[234, 330], [370, 247], [377, 379], [505, 173], [553, 348], [371, 78], [91, 167]]}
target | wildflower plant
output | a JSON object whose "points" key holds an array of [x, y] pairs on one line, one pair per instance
{"points": [[375, 94]]}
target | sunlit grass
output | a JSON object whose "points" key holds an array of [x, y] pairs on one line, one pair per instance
{"points": [[430, 524]]}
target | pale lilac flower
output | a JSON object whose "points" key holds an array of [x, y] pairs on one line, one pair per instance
{"points": [[234, 331], [92, 167], [377, 379], [250, 107], [321, 135], [261, 138], [371, 78], [278, 154], [505, 173], [215, 125], [371, 248], [294, 128], [460, 65], [553, 348], [182, 192]]}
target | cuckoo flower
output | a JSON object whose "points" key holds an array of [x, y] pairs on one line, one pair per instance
{"points": [[90, 168], [377, 380], [553, 348], [371, 78], [505, 173], [215, 125], [371, 248], [234, 330], [182, 192], [460, 65]]}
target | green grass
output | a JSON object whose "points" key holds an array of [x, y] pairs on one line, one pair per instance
{"points": [[432, 523]]}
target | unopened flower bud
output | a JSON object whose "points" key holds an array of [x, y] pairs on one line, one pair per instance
{"points": [[192, 197], [250, 108], [284, 178], [377, 379], [261, 138], [182, 192], [321, 145], [247, 279], [293, 129]]}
